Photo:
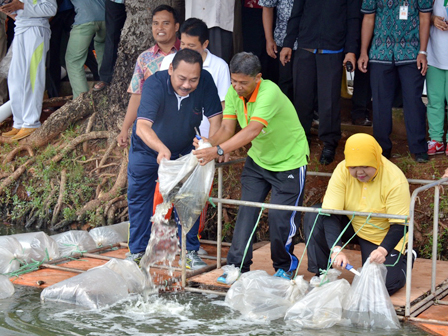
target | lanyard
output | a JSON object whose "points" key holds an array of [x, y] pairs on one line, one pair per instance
{"points": [[445, 3]]}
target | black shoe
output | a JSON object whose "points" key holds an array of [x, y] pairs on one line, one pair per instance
{"points": [[327, 156], [421, 157], [362, 122]]}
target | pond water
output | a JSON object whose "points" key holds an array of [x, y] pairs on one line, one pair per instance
{"points": [[165, 314]]}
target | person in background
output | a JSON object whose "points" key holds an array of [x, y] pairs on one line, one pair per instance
{"points": [[437, 77], [194, 35], [327, 34], [3, 50], [89, 24], [276, 161], [165, 24], [115, 19], [397, 36], [26, 77], [275, 37], [218, 15], [368, 182], [170, 108]]}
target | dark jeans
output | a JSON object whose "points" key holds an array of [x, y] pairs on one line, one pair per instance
{"points": [[383, 80], [362, 95], [287, 189], [325, 233], [319, 75], [115, 19]]}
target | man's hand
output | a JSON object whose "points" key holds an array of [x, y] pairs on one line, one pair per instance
{"points": [[285, 55], [164, 153], [12, 7], [362, 62], [350, 57], [340, 261], [422, 64], [271, 48], [122, 138], [440, 23], [196, 141], [206, 155]]}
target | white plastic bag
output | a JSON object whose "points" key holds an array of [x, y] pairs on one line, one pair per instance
{"points": [[38, 246], [105, 235], [368, 304], [129, 271], [260, 296], [233, 273], [6, 287], [11, 254], [122, 229], [74, 241], [321, 307], [94, 289]]}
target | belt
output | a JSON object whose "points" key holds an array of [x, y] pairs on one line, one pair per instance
{"points": [[323, 51]]}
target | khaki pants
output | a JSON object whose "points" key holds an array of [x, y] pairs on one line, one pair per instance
{"points": [[3, 85]]}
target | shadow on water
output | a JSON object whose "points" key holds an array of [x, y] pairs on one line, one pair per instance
{"points": [[166, 314]]}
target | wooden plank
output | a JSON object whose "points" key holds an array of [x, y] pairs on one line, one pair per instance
{"points": [[42, 278]]}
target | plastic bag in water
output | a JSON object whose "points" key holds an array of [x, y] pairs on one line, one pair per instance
{"points": [[38, 246], [105, 235], [74, 241], [186, 184], [6, 287], [94, 289], [321, 307], [260, 296], [11, 254], [130, 272], [368, 304]]}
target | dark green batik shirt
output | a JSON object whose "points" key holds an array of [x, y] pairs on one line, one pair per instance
{"points": [[394, 39]]}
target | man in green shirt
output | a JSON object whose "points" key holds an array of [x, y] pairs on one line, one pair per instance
{"points": [[276, 161]]}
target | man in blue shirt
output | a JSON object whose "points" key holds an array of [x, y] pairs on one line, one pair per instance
{"points": [[171, 106]]}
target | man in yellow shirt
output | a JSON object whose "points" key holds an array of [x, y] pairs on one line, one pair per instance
{"points": [[366, 182]]}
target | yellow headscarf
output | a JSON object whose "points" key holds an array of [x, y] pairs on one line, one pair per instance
{"points": [[362, 150]]}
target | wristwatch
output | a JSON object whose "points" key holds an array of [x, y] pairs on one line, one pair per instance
{"points": [[220, 151]]}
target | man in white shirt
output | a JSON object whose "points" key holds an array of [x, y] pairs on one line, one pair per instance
{"points": [[194, 35]]}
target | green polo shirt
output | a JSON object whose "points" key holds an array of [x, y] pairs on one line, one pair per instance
{"points": [[281, 144]]}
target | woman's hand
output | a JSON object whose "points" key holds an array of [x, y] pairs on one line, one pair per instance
{"points": [[439, 23], [379, 255], [339, 260]]}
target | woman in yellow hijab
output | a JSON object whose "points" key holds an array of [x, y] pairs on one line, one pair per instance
{"points": [[366, 182]]}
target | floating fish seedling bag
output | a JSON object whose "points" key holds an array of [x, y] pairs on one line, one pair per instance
{"points": [[122, 229], [38, 246], [130, 272], [260, 296], [94, 289], [6, 287], [368, 304], [105, 236], [11, 254], [75, 241], [321, 307], [186, 184]]}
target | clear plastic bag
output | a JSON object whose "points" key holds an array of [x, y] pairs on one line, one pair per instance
{"points": [[186, 184], [233, 273], [260, 296], [130, 272], [94, 289], [368, 304], [38, 246], [6, 287], [74, 241], [105, 235], [122, 229], [321, 307], [11, 255]]}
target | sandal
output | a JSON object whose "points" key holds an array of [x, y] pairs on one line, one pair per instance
{"points": [[100, 86]]}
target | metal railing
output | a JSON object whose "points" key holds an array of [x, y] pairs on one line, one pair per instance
{"points": [[428, 184]]}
